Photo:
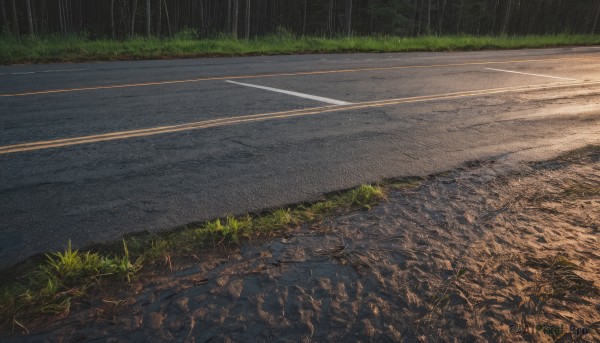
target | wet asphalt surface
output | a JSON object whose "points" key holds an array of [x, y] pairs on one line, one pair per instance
{"points": [[97, 192]]}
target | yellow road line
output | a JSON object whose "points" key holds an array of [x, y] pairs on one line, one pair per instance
{"points": [[320, 72], [273, 115]]}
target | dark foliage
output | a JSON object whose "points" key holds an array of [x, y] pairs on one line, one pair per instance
{"points": [[249, 18]]}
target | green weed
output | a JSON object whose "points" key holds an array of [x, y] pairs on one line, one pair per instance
{"points": [[230, 232], [276, 220], [71, 266], [366, 196], [63, 278]]}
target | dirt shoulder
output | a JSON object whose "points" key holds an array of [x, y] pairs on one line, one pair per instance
{"points": [[487, 252]]}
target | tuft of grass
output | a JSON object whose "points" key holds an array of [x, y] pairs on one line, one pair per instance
{"points": [[275, 220], [366, 196], [229, 232], [71, 267], [56, 48], [61, 280]]}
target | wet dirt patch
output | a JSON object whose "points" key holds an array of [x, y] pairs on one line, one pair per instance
{"points": [[482, 253]]}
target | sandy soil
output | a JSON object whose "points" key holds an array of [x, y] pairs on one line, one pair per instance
{"points": [[483, 253]]}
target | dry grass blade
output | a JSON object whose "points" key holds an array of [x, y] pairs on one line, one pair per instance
{"points": [[559, 280], [343, 255]]}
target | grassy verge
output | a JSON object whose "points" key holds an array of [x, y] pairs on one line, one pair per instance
{"points": [[51, 286], [78, 49]]}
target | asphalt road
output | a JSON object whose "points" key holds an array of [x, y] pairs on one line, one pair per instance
{"points": [[91, 151]]}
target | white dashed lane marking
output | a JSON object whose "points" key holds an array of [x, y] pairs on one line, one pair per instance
{"points": [[530, 74], [300, 95]]}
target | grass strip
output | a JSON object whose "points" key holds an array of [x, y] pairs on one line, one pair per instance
{"points": [[51, 286], [79, 48]]}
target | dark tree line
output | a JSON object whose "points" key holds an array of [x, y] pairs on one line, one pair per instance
{"points": [[249, 18]]}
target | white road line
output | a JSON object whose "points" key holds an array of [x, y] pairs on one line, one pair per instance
{"points": [[62, 70], [44, 71], [540, 75], [301, 95]]}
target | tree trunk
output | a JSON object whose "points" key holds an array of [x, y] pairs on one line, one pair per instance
{"points": [[506, 17], [330, 18], [148, 19], [421, 17], [167, 16], [29, 16], [60, 17], [67, 17], [15, 19], [4, 19], [133, 12], [80, 28], [441, 14], [202, 21], [462, 2], [234, 24], [414, 18], [44, 18], [159, 19], [348, 17], [429, 17], [304, 20], [371, 22], [247, 32], [596, 20], [112, 19], [228, 29]]}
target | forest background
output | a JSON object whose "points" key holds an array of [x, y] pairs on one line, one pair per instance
{"points": [[120, 19]]}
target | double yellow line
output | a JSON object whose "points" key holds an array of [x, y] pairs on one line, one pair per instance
{"points": [[319, 72], [273, 115]]}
